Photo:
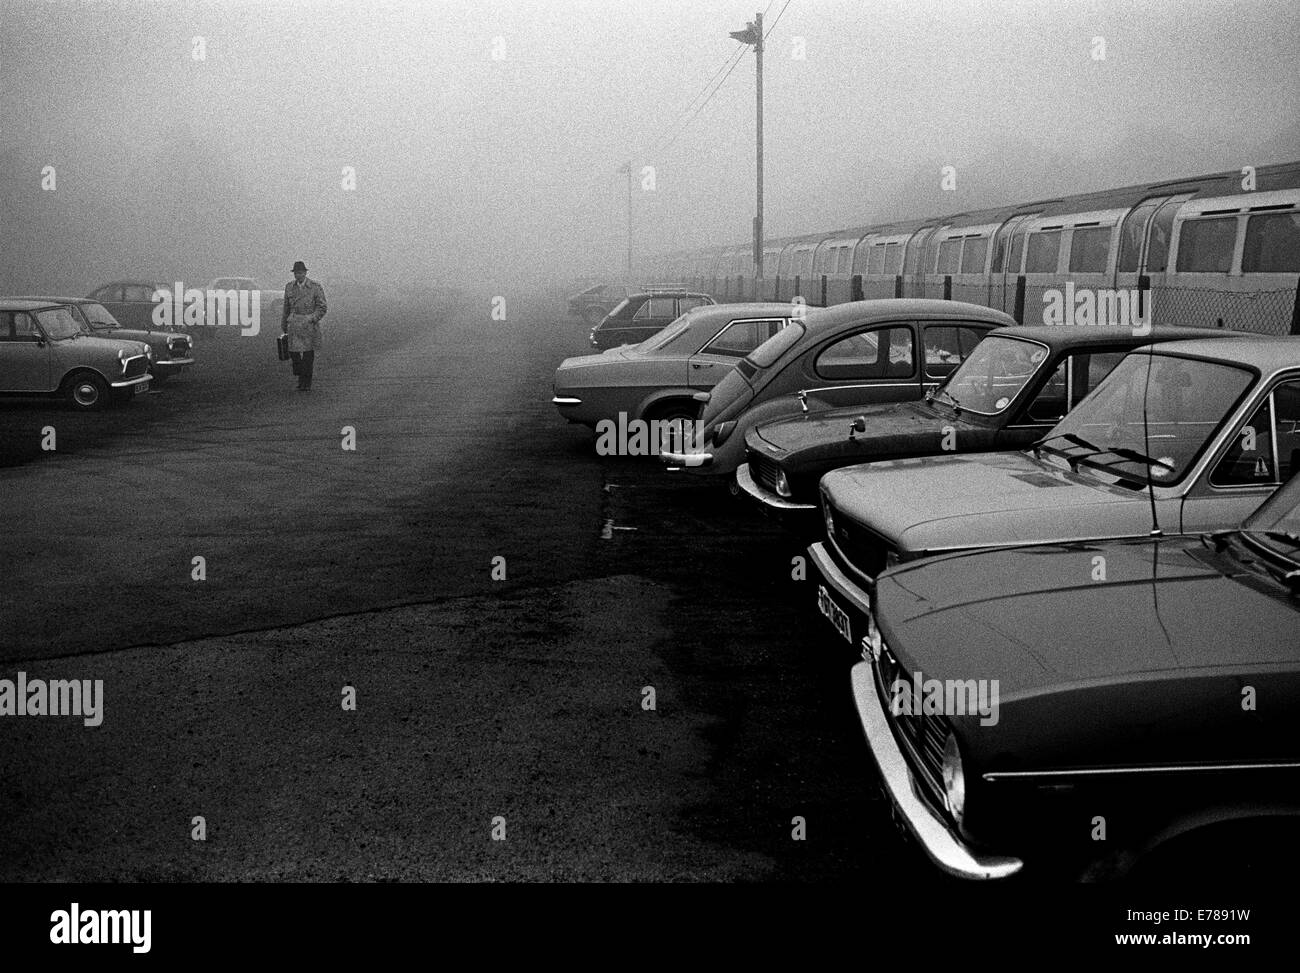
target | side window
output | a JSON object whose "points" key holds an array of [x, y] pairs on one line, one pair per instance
{"points": [[1017, 248], [893, 259], [740, 338], [949, 256], [1286, 400], [946, 347], [6, 325], [1050, 404], [24, 327], [1264, 439], [1089, 249], [1272, 244], [1205, 246], [882, 353], [876, 260], [106, 293], [1162, 228], [684, 304], [1043, 251], [655, 307], [1131, 233]]}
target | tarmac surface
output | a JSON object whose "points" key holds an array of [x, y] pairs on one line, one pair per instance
{"points": [[515, 706]]}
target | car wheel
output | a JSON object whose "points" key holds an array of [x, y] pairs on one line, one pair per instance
{"points": [[679, 415], [87, 392]]}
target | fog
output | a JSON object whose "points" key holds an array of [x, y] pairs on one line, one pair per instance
{"points": [[486, 139]]}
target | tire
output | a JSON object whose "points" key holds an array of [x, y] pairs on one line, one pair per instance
{"points": [[87, 392], [676, 411]]}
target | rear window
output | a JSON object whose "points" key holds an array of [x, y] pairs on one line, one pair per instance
{"points": [[619, 308], [1272, 244], [770, 351], [1205, 246]]}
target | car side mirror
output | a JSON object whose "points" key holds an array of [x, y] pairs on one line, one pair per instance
{"points": [[859, 425]]}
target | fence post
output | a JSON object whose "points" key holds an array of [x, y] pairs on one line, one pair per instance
{"points": [[798, 285], [857, 287], [823, 290], [1295, 309], [947, 287], [898, 285], [1019, 311]]}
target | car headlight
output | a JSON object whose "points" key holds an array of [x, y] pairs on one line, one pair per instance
{"points": [[873, 643], [783, 490], [719, 433], [954, 778], [828, 518]]}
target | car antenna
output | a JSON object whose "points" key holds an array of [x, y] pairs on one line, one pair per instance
{"points": [[1146, 447]]}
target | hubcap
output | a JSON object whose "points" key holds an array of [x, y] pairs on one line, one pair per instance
{"points": [[86, 393]]}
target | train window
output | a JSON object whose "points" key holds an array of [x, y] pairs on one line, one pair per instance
{"points": [[1043, 250], [1162, 230], [783, 264], [949, 256], [882, 353], [973, 253], [1205, 246], [1272, 244], [860, 258], [843, 259], [1131, 235], [893, 259], [1089, 249], [803, 262], [1017, 248], [876, 261]]}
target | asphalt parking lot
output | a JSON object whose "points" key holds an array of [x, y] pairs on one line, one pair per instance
{"points": [[476, 699]]}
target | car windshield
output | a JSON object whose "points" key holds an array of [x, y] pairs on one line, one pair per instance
{"points": [[1276, 523], [59, 322], [1188, 402], [989, 380], [97, 314], [770, 351], [618, 308]]}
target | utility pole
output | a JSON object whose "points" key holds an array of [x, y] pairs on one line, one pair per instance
{"points": [[627, 273], [753, 34]]}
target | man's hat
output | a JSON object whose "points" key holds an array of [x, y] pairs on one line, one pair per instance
{"points": [[299, 265]]}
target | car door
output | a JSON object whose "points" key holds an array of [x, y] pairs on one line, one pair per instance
{"points": [[1262, 454], [721, 352], [24, 354], [870, 364]]}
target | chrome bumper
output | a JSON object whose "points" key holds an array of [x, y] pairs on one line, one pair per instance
{"points": [[945, 848], [746, 483], [128, 382], [565, 400], [173, 363], [677, 461]]}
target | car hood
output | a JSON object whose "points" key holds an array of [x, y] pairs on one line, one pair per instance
{"points": [[983, 500], [892, 429], [137, 334], [111, 345], [1096, 660]]}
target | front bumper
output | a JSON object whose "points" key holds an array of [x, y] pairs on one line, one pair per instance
{"points": [[746, 482], [127, 383], [563, 400], [171, 364], [679, 461]]}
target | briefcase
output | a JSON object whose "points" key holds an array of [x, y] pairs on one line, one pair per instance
{"points": [[282, 347]]}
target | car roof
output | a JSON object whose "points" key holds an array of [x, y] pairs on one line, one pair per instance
{"points": [[52, 299], [1069, 335], [27, 303], [672, 293], [893, 307], [730, 312], [1261, 351]]}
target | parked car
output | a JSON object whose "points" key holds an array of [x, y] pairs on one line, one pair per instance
{"points": [[171, 351], [660, 377], [45, 352], [641, 316], [1147, 694], [849, 355], [131, 301], [595, 302], [1015, 385], [1181, 437]]}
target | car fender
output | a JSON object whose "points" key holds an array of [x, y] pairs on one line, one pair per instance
{"points": [[660, 396]]}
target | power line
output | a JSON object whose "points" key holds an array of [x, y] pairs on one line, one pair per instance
{"points": [[778, 18], [729, 61], [738, 57]]}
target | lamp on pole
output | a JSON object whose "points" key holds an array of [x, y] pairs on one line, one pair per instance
{"points": [[627, 168], [753, 34]]}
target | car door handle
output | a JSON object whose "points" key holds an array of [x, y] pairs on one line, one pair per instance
{"points": [[696, 364]]}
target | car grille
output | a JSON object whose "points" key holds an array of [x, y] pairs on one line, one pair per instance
{"points": [[763, 470], [923, 734], [860, 547], [179, 347], [135, 367]]}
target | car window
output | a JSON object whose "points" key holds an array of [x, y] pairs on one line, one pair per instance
{"points": [[106, 293], [58, 322], [740, 338], [686, 303], [1267, 447], [771, 350], [993, 374], [655, 307], [879, 353], [619, 308], [17, 326], [98, 314], [946, 347], [1049, 405]]}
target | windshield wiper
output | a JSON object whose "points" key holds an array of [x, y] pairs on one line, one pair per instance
{"points": [[1070, 438], [1125, 455], [951, 398]]}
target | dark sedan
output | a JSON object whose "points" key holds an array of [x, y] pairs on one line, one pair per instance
{"points": [[1016, 385], [130, 301], [642, 316], [1135, 701]]}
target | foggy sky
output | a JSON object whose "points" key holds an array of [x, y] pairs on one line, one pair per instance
{"points": [[472, 167]]}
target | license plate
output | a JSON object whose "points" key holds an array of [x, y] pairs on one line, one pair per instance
{"points": [[836, 615], [142, 388]]}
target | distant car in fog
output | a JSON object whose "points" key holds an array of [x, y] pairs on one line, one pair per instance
{"points": [[171, 351], [658, 378], [131, 302], [641, 315], [44, 351], [595, 302]]}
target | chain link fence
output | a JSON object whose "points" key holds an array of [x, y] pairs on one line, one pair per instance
{"points": [[1264, 312]]}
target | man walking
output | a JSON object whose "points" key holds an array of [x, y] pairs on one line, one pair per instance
{"points": [[304, 306]]}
